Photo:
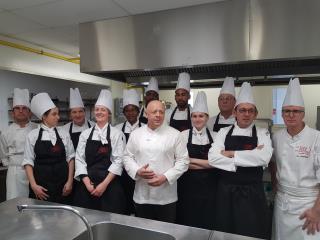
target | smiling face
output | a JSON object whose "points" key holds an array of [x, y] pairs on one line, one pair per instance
{"points": [[245, 113], [199, 120], [131, 112], [101, 114]]}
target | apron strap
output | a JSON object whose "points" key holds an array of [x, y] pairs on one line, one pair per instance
{"points": [[209, 136]]}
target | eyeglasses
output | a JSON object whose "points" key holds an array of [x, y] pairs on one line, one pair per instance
{"points": [[295, 112], [249, 111], [228, 99]]}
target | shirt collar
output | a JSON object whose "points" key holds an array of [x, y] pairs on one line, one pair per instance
{"points": [[46, 128], [196, 132], [222, 117], [300, 134], [133, 125], [249, 128]]}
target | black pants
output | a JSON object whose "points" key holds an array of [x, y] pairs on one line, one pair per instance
{"points": [[165, 213], [112, 200]]}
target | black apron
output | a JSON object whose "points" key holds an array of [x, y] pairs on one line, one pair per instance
{"points": [[50, 168], [127, 182], [180, 125], [75, 136], [98, 161], [241, 206], [217, 126], [142, 118], [197, 190], [75, 140]]}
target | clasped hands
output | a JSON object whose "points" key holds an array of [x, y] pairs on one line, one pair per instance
{"points": [[152, 178]]}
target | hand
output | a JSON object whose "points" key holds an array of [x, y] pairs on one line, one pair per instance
{"points": [[145, 173], [40, 192], [157, 180], [99, 190], [260, 147], [89, 185], [229, 154], [67, 189], [312, 220]]}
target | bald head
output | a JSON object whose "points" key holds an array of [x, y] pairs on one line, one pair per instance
{"points": [[155, 114]]}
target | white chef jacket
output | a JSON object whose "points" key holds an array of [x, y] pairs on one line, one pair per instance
{"points": [[12, 143], [179, 115], [298, 175], [76, 128], [230, 120], [129, 128], [164, 151], [117, 144], [198, 137], [245, 158], [47, 135]]}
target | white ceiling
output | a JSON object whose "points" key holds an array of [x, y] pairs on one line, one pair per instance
{"points": [[53, 24]]}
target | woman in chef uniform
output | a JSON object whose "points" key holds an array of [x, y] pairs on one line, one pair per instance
{"points": [[197, 186], [99, 162], [131, 113], [297, 157], [49, 154]]}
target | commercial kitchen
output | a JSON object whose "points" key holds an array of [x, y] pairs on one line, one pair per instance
{"points": [[149, 119]]}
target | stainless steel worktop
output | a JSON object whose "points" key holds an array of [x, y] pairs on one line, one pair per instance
{"points": [[52, 225]]}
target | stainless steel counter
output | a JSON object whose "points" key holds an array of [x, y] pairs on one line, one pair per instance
{"points": [[52, 225]]}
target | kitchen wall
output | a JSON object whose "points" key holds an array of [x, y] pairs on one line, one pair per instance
{"points": [[263, 98], [57, 88]]}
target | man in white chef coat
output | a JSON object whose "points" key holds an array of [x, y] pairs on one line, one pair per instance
{"points": [[297, 157], [78, 123], [180, 117], [12, 142], [155, 157], [226, 102], [241, 152]]}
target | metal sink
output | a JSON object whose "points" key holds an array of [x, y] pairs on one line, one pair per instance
{"points": [[114, 231]]}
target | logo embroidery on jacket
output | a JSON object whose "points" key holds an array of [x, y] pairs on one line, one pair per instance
{"points": [[303, 151], [102, 150], [55, 149]]}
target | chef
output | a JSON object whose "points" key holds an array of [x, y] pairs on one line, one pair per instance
{"points": [[78, 123], [131, 113], [155, 157], [12, 141], [180, 118], [152, 93], [297, 156], [226, 102], [242, 151], [197, 186], [49, 154], [99, 162]]}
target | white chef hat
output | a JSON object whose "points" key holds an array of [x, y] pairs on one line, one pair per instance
{"points": [[183, 81], [21, 97], [41, 103], [245, 95], [228, 86], [105, 99], [130, 97], [75, 99], [200, 104], [293, 95], [153, 85]]}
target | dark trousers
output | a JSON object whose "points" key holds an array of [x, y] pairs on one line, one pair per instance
{"points": [[165, 213]]}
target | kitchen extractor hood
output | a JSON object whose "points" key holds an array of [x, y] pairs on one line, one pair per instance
{"points": [[244, 39]]}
